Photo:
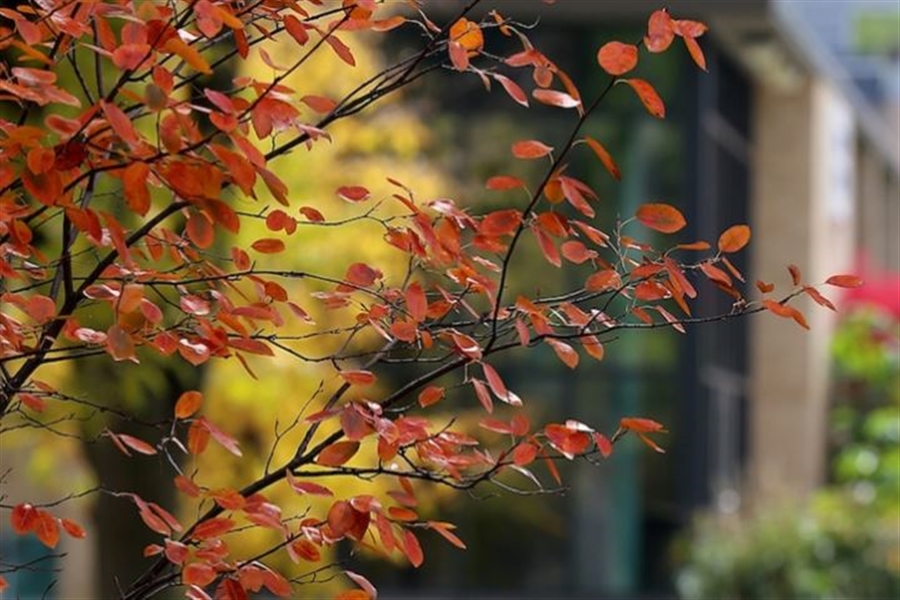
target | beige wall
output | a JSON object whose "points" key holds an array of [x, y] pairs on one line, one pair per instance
{"points": [[803, 213]]}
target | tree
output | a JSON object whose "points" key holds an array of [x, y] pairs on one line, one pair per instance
{"points": [[131, 164]]}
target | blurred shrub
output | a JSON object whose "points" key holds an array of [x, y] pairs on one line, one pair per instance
{"points": [[844, 542]]}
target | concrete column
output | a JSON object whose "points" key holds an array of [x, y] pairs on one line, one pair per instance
{"points": [[873, 208], [803, 213], [892, 224]]}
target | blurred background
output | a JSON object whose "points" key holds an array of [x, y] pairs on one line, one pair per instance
{"points": [[782, 477]]}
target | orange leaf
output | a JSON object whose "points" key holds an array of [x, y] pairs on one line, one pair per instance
{"points": [[416, 302], [23, 518], [444, 530], [513, 89], [695, 51], [617, 58], [641, 425], [555, 98], [211, 528], [47, 529], [501, 222], [844, 281], [504, 182], [430, 395], [337, 453], [818, 298], [530, 149], [660, 31], [199, 574], [412, 549], [136, 444], [119, 344], [188, 404], [200, 230], [661, 217], [734, 238], [341, 518], [353, 193], [796, 276], [604, 157], [358, 377], [268, 246], [564, 351], [468, 35], [652, 102], [603, 444]]}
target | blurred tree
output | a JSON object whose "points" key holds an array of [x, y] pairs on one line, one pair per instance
{"points": [[148, 201]]}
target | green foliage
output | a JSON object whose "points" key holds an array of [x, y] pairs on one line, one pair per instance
{"points": [[844, 542]]}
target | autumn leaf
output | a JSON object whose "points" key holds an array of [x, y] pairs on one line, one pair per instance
{"points": [[468, 35], [604, 157], [844, 281], [734, 238], [555, 98], [530, 149], [337, 453], [661, 217], [617, 58], [648, 96], [660, 31]]}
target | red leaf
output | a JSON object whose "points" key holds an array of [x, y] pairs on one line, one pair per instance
{"points": [[222, 438], [23, 518], [547, 247], [661, 217], [617, 58], [530, 149], [353, 193], [660, 31], [796, 276], [412, 549], [444, 530], [430, 395], [361, 275], [501, 222], [358, 377], [481, 391], [416, 302], [603, 444], [734, 238], [818, 298], [341, 518], [641, 425], [651, 100], [200, 230], [604, 157], [305, 487], [320, 104], [47, 529], [199, 574], [212, 528], [337, 453], [695, 51], [341, 49], [73, 529], [188, 403], [504, 182], [844, 281], [513, 89], [458, 56], [119, 344], [564, 351], [555, 98], [268, 246], [136, 444], [129, 57]]}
